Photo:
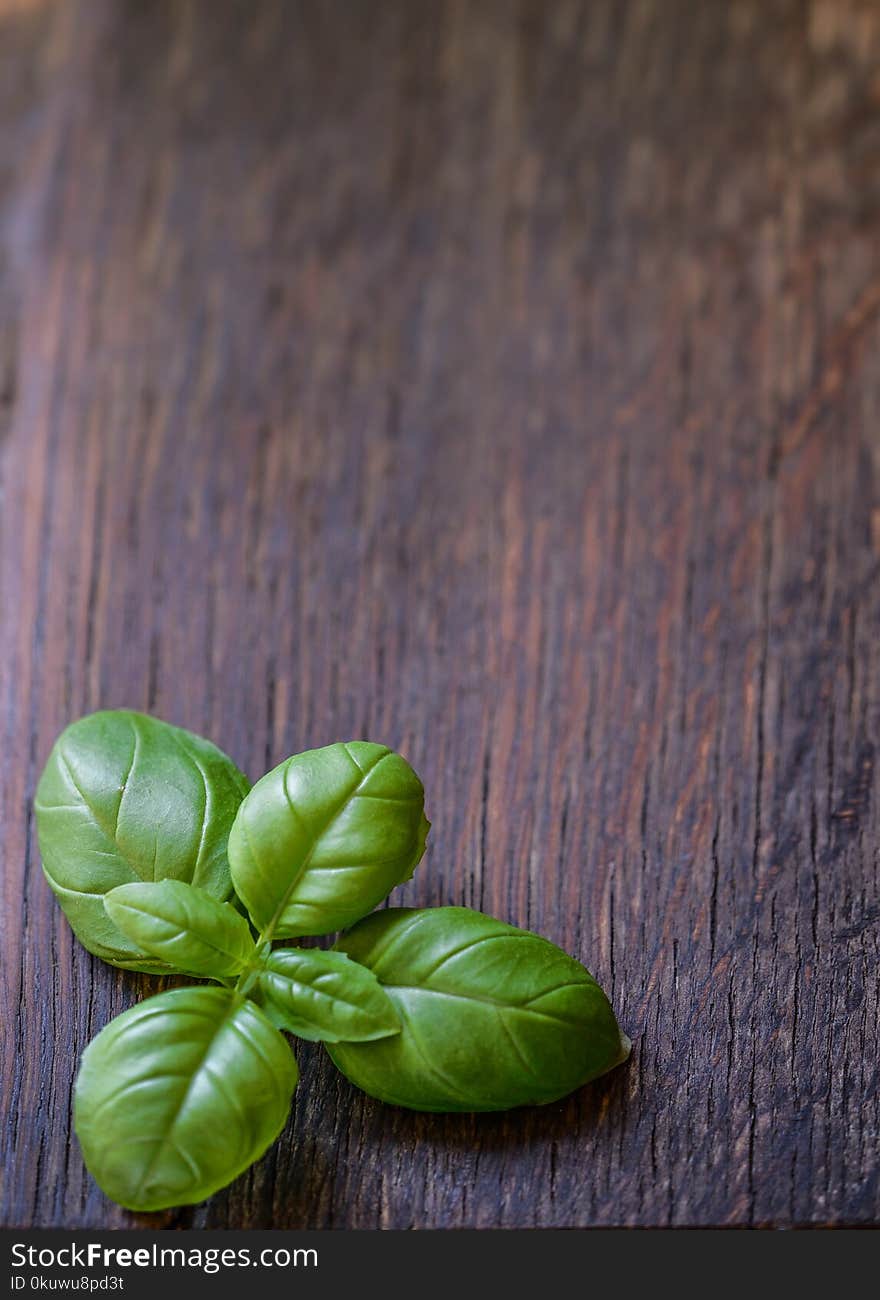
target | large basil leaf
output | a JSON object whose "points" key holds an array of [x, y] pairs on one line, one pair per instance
{"points": [[177, 1096], [326, 836], [125, 797], [182, 925], [493, 1017], [324, 996]]}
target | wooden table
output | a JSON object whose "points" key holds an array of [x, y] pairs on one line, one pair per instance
{"points": [[499, 381]]}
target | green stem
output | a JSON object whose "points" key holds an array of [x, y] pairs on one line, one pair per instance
{"points": [[251, 972]]}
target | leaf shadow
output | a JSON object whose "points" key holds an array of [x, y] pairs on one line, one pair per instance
{"points": [[578, 1115]]}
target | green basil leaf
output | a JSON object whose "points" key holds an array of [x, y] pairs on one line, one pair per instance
{"points": [[125, 797], [324, 996], [493, 1016], [326, 836], [177, 1096], [182, 925]]}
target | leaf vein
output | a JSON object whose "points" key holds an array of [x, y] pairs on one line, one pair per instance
{"points": [[194, 762], [492, 1002], [430, 1065], [126, 778], [514, 1042], [304, 866]]}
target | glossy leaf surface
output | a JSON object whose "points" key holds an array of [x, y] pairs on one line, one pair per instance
{"points": [[325, 996], [182, 925], [125, 797], [177, 1096], [493, 1016], [324, 837]]}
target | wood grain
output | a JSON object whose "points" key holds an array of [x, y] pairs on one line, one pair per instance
{"points": [[499, 381]]}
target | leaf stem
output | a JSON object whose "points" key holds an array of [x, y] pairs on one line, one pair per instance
{"points": [[251, 972]]}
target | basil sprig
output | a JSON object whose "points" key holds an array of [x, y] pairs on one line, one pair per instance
{"points": [[146, 830]]}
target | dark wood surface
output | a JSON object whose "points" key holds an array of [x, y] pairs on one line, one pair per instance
{"points": [[500, 381]]}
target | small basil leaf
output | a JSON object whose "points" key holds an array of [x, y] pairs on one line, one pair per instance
{"points": [[177, 1096], [493, 1017], [325, 996], [125, 797], [326, 836], [182, 925]]}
